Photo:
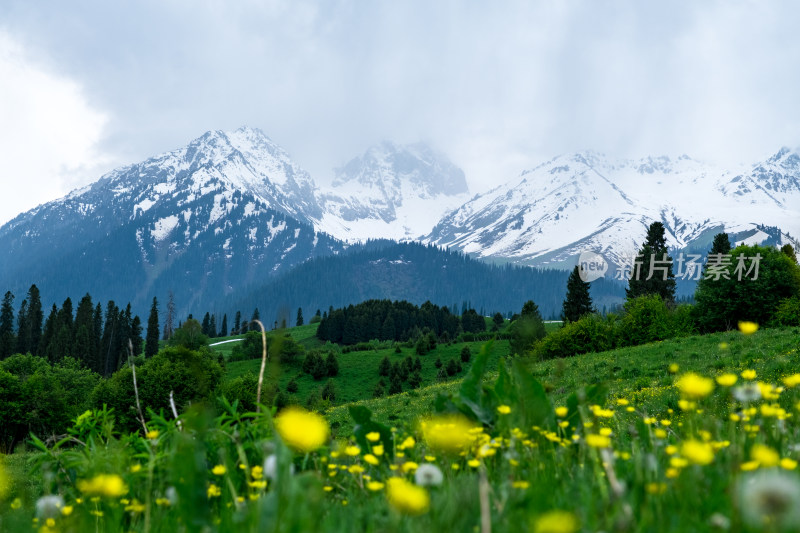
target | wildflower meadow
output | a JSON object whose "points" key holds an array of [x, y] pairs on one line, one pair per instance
{"points": [[712, 451]]}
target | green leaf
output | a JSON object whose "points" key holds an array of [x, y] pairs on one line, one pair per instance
{"points": [[533, 401]]}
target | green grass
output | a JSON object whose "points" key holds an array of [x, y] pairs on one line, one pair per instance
{"points": [[641, 373]]}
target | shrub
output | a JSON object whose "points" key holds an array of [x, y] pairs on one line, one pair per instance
{"points": [[242, 388], [591, 333], [646, 319], [466, 355], [787, 313]]}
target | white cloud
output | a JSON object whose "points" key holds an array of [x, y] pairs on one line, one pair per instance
{"points": [[49, 133]]}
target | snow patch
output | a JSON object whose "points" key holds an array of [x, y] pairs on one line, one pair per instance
{"points": [[163, 227]]}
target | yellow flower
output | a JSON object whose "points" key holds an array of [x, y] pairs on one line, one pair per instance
{"points": [[727, 380], [110, 485], [213, 491], [135, 468], [556, 522], [748, 328], [135, 507], [163, 502], [788, 464], [699, 453], [152, 434], [409, 466], [356, 469], [764, 455], [474, 463], [375, 486], [521, 484], [503, 409], [219, 470], [67, 510], [371, 459], [301, 430], [407, 497], [656, 488], [598, 441], [749, 466], [16, 503], [257, 472], [352, 451], [695, 387], [673, 368], [792, 381], [561, 412], [447, 433], [749, 374], [377, 450], [408, 443], [373, 436]]}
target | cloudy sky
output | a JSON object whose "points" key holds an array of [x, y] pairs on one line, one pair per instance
{"points": [[498, 86]]}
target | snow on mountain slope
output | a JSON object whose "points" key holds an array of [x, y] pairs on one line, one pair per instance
{"points": [[391, 191], [227, 210], [586, 201]]}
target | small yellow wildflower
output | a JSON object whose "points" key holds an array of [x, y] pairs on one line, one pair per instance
{"points": [[699, 453], [257, 472], [407, 497], [152, 434], [764, 455], [375, 486], [377, 450], [135, 468], [474, 463], [352, 451], [673, 368], [503, 409], [749, 374], [219, 470], [748, 328], [213, 491], [695, 387], [561, 412], [788, 464], [371, 459], [727, 380], [301, 430], [598, 441], [449, 434], [749, 466], [109, 485], [408, 443], [356, 469], [556, 522], [135, 507], [656, 488], [373, 436], [409, 466]]}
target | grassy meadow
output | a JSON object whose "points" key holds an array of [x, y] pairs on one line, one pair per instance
{"points": [[696, 433]]}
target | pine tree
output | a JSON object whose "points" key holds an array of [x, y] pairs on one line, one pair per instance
{"points": [[299, 316], [48, 333], [169, 322], [212, 327], [223, 332], [136, 335], [8, 340], [151, 341], [395, 384], [329, 391], [578, 301], [662, 280], [35, 318], [385, 366], [256, 315], [206, 325], [721, 244], [109, 345], [237, 323], [96, 364], [85, 344], [466, 355], [23, 329], [292, 386], [415, 380]]}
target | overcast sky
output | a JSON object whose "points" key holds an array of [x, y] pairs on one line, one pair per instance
{"points": [[498, 86]]}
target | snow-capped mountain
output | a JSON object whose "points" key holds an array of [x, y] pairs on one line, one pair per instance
{"points": [[391, 191], [226, 211], [588, 202]]}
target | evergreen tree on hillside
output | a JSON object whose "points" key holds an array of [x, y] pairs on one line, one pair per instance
{"points": [[299, 321], [223, 332], [136, 335], [331, 365], [652, 273], [97, 335], [212, 326], [23, 329], [256, 315], [721, 244], [34, 319], [109, 345], [85, 344], [578, 301], [788, 250], [169, 322], [151, 341], [8, 340], [526, 329], [237, 323], [48, 333], [206, 324], [385, 367]]}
